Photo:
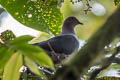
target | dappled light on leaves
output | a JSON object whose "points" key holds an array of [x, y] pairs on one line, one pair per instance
{"points": [[37, 14]]}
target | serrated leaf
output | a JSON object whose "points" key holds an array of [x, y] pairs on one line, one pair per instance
{"points": [[34, 68], [5, 54], [38, 14], [117, 2], [33, 52], [11, 71]]}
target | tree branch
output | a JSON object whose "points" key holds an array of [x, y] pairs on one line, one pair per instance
{"points": [[106, 63], [88, 54]]}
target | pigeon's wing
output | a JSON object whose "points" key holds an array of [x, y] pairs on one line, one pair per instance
{"points": [[64, 44], [60, 44]]}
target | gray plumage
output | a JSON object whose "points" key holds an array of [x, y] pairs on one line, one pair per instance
{"points": [[66, 43]]}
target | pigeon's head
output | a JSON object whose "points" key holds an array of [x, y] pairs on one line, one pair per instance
{"points": [[72, 21], [69, 24]]}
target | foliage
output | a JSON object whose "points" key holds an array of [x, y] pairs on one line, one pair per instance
{"points": [[11, 70], [42, 15], [17, 48], [33, 67], [117, 2], [5, 54], [41, 37], [5, 37]]}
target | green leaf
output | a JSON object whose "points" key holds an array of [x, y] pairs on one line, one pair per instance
{"points": [[33, 52], [42, 37], [117, 2], [11, 71], [1, 73], [21, 40], [5, 54], [36, 54], [38, 14], [34, 68]]}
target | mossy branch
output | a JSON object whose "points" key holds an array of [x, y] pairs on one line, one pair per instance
{"points": [[88, 54]]}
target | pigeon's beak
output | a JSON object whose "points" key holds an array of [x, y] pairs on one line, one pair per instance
{"points": [[80, 23]]}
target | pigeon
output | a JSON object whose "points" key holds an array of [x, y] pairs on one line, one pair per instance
{"points": [[61, 46]]}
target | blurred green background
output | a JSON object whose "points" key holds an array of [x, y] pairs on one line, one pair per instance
{"points": [[100, 10]]}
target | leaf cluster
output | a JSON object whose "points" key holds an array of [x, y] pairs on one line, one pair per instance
{"points": [[16, 52]]}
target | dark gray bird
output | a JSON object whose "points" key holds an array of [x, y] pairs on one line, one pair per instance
{"points": [[64, 44]]}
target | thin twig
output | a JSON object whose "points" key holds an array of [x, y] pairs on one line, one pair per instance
{"points": [[88, 7], [51, 47]]}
